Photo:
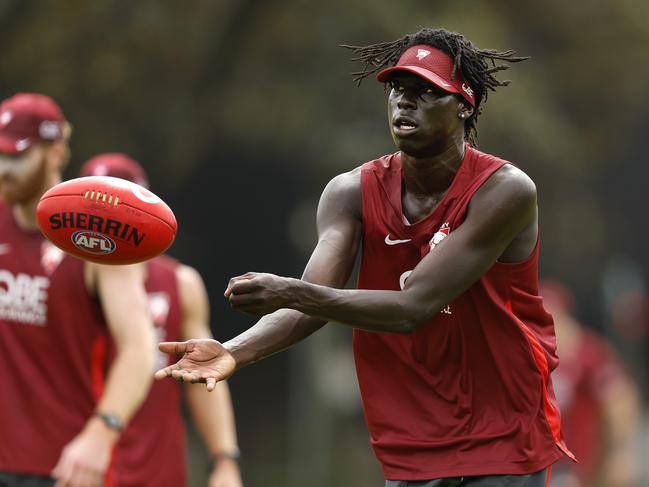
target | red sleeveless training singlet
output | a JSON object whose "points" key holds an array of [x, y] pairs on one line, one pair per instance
{"points": [[53, 350], [469, 392]]}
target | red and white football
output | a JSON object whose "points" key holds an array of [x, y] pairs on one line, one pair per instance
{"points": [[106, 220]]}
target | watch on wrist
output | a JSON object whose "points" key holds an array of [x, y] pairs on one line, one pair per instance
{"points": [[110, 420]]}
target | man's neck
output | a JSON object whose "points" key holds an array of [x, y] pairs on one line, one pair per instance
{"points": [[25, 214], [425, 176]]}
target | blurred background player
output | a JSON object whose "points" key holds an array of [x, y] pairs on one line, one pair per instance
{"points": [[62, 407], [600, 408], [148, 454]]}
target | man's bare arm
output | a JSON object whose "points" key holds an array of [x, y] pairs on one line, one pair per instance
{"points": [[499, 213], [331, 264], [84, 460], [124, 302]]}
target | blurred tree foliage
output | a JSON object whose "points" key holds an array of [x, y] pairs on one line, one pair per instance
{"points": [[174, 83], [242, 110]]}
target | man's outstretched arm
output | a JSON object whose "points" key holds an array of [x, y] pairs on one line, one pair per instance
{"points": [[501, 217], [331, 264]]}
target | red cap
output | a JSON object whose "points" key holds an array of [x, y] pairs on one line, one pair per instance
{"points": [[26, 118], [433, 65], [117, 165]]}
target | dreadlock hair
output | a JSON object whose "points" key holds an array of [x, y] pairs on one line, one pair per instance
{"points": [[477, 66]]}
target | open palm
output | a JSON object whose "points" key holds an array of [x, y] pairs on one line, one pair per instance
{"points": [[202, 361]]}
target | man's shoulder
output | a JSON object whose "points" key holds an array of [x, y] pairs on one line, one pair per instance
{"points": [[351, 180], [164, 262], [508, 195], [342, 194], [384, 163], [511, 181], [344, 190], [485, 156], [347, 181]]}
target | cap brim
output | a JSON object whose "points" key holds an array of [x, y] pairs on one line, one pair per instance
{"points": [[385, 75], [8, 145]]}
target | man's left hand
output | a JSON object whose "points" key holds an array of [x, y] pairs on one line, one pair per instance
{"points": [[259, 293]]}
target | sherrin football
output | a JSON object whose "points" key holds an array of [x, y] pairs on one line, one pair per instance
{"points": [[106, 220]]}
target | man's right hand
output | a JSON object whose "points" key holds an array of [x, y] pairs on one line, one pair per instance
{"points": [[84, 461], [203, 361]]}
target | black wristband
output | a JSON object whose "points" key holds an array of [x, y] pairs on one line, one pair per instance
{"points": [[215, 458], [111, 421]]}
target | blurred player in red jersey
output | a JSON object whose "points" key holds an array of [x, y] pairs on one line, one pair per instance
{"points": [[147, 453], [453, 348], [599, 401], [63, 407]]}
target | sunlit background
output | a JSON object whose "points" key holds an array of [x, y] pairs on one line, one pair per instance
{"points": [[242, 110]]}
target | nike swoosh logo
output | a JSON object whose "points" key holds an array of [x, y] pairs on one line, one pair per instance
{"points": [[5, 249], [389, 241]]}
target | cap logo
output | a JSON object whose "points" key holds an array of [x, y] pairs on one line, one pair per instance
{"points": [[467, 89], [5, 117], [49, 130], [422, 53], [22, 144], [100, 170]]}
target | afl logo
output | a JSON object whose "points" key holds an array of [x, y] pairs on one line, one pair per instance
{"points": [[93, 242]]}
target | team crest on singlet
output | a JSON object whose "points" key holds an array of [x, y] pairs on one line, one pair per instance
{"points": [[440, 235], [159, 305], [437, 237], [51, 257]]}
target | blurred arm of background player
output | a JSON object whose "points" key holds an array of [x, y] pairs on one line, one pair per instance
{"points": [[211, 412], [84, 461], [621, 407], [591, 377]]}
